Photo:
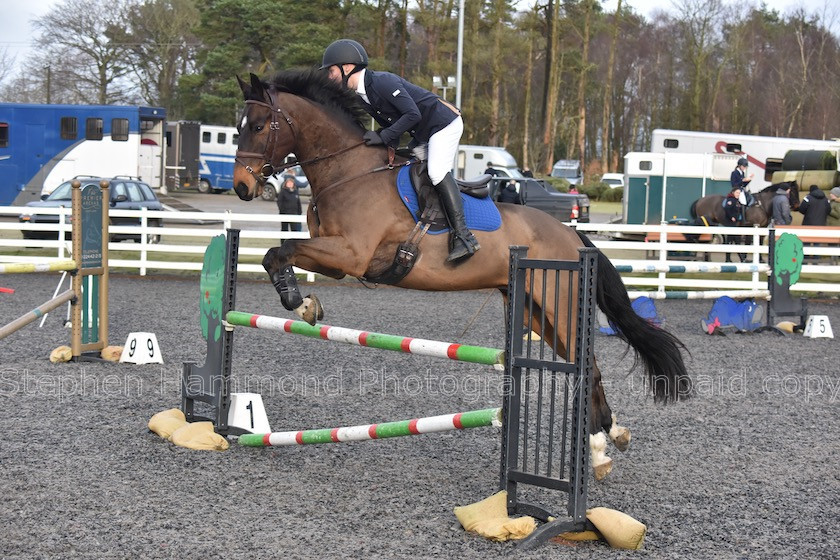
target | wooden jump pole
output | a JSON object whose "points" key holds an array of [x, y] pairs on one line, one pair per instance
{"points": [[89, 292], [367, 432], [36, 313], [26, 268], [419, 346]]}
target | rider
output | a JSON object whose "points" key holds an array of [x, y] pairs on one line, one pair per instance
{"points": [[400, 106], [739, 179]]}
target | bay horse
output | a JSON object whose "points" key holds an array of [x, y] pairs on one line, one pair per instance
{"points": [[356, 221], [711, 206]]}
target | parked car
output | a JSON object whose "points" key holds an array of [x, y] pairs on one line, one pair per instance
{"points": [[568, 169], [613, 180], [273, 184], [126, 193], [562, 206]]}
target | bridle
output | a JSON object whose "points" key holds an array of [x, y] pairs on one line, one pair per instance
{"points": [[268, 169]]}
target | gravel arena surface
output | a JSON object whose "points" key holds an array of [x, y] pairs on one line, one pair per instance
{"points": [[747, 469]]}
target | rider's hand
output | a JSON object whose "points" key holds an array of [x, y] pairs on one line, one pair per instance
{"points": [[372, 138]]}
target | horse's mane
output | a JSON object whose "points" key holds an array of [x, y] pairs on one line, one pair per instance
{"points": [[317, 86]]}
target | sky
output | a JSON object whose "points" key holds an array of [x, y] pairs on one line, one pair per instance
{"points": [[16, 31]]}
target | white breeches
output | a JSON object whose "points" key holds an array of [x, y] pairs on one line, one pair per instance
{"points": [[443, 147]]}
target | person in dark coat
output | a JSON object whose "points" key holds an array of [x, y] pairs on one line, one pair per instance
{"points": [[510, 195], [288, 202], [815, 207], [400, 106], [734, 213], [781, 206]]}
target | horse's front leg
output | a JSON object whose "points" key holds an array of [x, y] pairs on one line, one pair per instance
{"points": [[323, 255]]}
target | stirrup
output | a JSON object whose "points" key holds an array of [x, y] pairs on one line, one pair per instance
{"points": [[462, 247]]}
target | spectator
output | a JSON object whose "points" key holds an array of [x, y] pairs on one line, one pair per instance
{"points": [[781, 206], [815, 207], [526, 172], [509, 194], [834, 216], [288, 202], [490, 170]]}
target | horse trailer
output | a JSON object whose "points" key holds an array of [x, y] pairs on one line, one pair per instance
{"points": [[660, 187], [217, 155], [764, 153], [473, 160], [41, 146], [182, 154]]}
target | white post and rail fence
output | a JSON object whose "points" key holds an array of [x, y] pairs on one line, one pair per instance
{"points": [[660, 261]]}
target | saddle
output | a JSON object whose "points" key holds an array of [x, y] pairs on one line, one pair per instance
{"points": [[430, 218], [428, 199]]}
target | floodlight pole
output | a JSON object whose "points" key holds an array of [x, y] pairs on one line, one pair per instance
{"points": [[460, 53]]}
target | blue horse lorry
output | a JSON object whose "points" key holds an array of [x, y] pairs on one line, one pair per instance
{"points": [[42, 146]]}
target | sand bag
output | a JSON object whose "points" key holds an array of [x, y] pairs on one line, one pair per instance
{"points": [[201, 436], [489, 519], [167, 422]]}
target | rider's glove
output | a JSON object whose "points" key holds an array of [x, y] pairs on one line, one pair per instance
{"points": [[372, 138]]}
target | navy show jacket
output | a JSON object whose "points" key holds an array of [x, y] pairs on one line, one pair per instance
{"points": [[400, 106]]}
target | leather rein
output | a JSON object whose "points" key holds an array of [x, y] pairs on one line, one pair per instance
{"points": [[268, 169]]}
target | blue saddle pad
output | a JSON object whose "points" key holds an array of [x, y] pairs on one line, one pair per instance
{"points": [[481, 213]]}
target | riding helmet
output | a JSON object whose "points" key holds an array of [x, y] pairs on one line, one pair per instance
{"points": [[344, 51], [743, 161]]}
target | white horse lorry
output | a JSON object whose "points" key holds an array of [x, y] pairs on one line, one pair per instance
{"points": [[683, 166]]}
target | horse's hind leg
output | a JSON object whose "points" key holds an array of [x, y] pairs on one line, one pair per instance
{"points": [[602, 421]]}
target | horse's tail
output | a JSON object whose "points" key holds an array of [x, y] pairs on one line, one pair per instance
{"points": [[693, 209], [659, 350]]}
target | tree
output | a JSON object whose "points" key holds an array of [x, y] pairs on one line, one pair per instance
{"points": [[83, 43], [606, 143], [260, 36], [162, 47]]}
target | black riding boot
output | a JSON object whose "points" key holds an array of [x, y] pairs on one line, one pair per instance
{"points": [[462, 243]]}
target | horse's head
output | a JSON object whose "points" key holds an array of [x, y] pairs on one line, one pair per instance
{"points": [[266, 137]]}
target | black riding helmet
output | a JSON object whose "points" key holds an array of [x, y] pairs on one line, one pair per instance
{"points": [[345, 51]]}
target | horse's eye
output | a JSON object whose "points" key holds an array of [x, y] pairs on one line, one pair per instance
{"points": [[258, 128]]}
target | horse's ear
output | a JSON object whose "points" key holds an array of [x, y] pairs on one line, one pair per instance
{"points": [[258, 91], [246, 89]]}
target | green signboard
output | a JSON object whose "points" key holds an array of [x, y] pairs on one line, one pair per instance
{"points": [[92, 232]]}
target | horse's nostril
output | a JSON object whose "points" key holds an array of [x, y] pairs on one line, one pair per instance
{"points": [[241, 189]]}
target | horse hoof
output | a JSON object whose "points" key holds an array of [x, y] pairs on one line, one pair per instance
{"points": [[602, 470], [310, 310], [319, 309], [622, 440]]}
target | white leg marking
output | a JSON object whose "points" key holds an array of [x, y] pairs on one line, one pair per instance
{"points": [[619, 435], [601, 464]]}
